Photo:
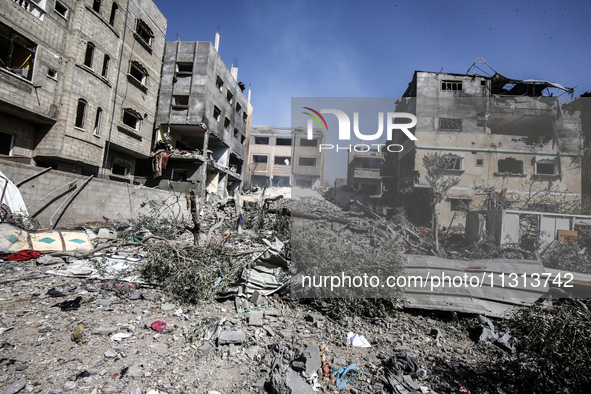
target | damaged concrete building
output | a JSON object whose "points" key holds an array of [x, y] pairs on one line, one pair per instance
{"points": [[79, 82], [203, 121], [282, 156], [510, 142], [364, 172]]}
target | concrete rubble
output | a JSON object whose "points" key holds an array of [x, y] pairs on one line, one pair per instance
{"points": [[245, 337]]}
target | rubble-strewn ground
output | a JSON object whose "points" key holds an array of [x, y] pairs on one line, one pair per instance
{"points": [[267, 344], [39, 347]]}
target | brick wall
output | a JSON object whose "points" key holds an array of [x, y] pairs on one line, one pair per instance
{"points": [[100, 198]]}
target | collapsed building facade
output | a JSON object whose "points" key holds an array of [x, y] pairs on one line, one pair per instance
{"points": [[203, 120], [508, 141], [79, 82], [282, 156], [364, 171]]}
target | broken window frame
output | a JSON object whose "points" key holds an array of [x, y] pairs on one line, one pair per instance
{"points": [[127, 115], [260, 159], [238, 107], [244, 117], [217, 113], [138, 75], [15, 40], [219, 83], [261, 140], [143, 33], [280, 160], [289, 140], [457, 162], [35, 7], [505, 170], [226, 123], [229, 97]]}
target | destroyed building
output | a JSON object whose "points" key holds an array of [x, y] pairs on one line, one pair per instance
{"points": [[203, 121], [364, 171], [79, 82], [507, 141], [282, 156]]}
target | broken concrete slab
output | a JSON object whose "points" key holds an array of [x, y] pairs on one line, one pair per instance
{"points": [[309, 361], [229, 337]]}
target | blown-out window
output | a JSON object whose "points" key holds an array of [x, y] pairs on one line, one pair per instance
{"points": [[131, 118], [114, 9], [97, 122], [144, 32], [511, 166], [80, 113], [17, 53], [88, 55], [453, 162], [106, 61]]}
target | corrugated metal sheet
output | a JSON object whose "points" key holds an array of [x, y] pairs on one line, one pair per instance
{"points": [[491, 298]]}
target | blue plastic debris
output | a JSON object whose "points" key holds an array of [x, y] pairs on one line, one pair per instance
{"points": [[345, 375]]}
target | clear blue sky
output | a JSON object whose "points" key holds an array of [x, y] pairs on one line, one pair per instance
{"points": [[371, 49]]}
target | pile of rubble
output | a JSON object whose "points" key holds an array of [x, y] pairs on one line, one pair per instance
{"points": [[155, 306]]}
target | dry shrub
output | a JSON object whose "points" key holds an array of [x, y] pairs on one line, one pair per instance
{"points": [[188, 275], [556, 349], [324, 252]]}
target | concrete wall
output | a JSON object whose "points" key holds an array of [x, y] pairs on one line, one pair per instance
{"points": [[100, 198]]}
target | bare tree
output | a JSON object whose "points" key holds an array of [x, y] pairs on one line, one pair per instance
{"points": [[438, 177]]}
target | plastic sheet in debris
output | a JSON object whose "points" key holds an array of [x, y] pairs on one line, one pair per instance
{"points": [[101, 267], [12, 197], [269, 272]]}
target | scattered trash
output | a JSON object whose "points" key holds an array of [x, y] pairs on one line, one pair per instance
{"points": [[123, 372], [77, 334], [70, 305], [83, 374], [158, 325], [119, 336], [357, 340], [23, 255], [207, 329], [345, 375]]}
